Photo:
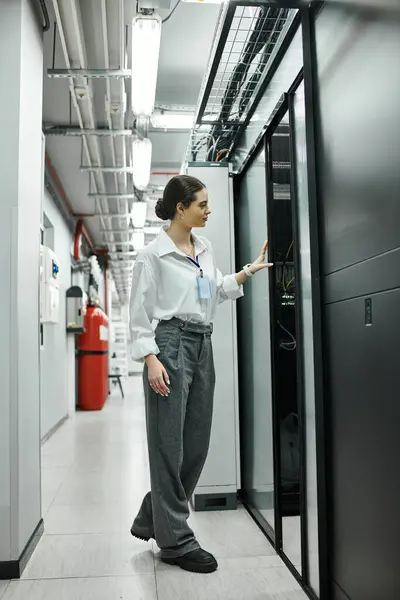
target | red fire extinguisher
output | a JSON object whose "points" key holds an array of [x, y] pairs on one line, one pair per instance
{"points": [[93, 360]]}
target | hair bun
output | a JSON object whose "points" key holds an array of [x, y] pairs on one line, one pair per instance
{"points": [[161, 210]]}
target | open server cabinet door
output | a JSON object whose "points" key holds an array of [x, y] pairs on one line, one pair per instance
{"points": [[278, 203], [286, 344]]}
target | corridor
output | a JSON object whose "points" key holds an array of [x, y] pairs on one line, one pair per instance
{"points": [[94, 474]]}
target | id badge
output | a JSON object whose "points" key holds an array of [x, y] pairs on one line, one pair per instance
{"points": [[203, 287]]}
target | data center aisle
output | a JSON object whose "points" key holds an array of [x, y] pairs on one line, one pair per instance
{"points": [[95, 473]]}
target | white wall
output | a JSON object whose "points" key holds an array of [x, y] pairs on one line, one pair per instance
{"points": [[9, 79], [21, 68], [30, 190], [57, 362], [221, 472]]}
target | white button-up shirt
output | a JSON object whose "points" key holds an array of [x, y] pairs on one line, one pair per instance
{"points": [[164, 286]]}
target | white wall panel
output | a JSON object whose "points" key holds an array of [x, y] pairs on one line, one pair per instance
{"points": [[222, 466], [57, 353]]}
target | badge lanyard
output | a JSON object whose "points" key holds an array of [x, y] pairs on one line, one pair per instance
{"points": [[203, 282], [196, 263]]}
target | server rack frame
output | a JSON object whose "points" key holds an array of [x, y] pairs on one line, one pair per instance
{"points": [[308, 76]]}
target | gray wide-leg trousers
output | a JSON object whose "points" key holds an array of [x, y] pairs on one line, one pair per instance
{"points": [[178, 433]]}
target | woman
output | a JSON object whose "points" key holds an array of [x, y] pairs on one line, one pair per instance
{"points": [[176, 282]]}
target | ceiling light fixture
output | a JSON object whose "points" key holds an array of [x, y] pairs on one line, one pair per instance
{"points": [[141, 163], [166, 120], [138, 214], [138, 239], [146, 37]]}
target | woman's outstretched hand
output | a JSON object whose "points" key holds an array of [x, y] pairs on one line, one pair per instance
{"points": [[260, 263]]}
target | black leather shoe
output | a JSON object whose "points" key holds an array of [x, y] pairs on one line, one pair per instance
{"points": [[198, 561], [137, 535]]}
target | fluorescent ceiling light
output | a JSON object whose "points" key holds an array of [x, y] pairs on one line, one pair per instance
{"points": [[146, 37], [138, 214], [138, 240], [168, 120], [141, 163]]}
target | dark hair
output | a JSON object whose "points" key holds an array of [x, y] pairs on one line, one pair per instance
{"points": [[180, 189]]}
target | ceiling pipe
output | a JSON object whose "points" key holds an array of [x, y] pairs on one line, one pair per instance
{"points": [[123, 203], [172, 173], [100, 183], [122, 85], [86, 215], [78, 240], [106, 307], [45, 15], [79, 232], [103, 8], [72, 131]]}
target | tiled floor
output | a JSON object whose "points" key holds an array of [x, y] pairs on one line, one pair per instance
{"points": [[95, 472]]}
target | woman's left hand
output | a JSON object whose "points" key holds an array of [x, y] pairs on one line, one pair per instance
{"points": [[260, 263]]}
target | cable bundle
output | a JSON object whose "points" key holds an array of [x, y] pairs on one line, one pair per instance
{"points": [[262, 38]]}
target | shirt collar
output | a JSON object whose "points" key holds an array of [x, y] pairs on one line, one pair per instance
{"points": [[167, 246]]}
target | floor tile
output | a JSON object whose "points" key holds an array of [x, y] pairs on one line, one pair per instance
{"points": [[53, 460], [294, 595], [62, 440], [130, 455], [47, 501], [230, 534], [255, 584], [89, 556], [94, 474], [3, 587], [90, 518], [108, 430], [107, 486], [52, 480], [244, 563], [136, 587]]}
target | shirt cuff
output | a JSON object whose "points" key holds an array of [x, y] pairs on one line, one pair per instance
{"points": [[231, 287], [143, 347]]}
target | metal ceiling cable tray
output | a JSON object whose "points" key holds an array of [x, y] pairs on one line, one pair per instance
{"points": [[251, 36]]}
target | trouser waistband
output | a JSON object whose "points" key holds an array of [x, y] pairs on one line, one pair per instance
{"points": [[189, 326]]}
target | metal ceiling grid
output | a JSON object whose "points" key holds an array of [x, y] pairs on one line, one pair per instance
{"points": [[250, 36], [98, 150], [245, 47], [90, 55]]}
